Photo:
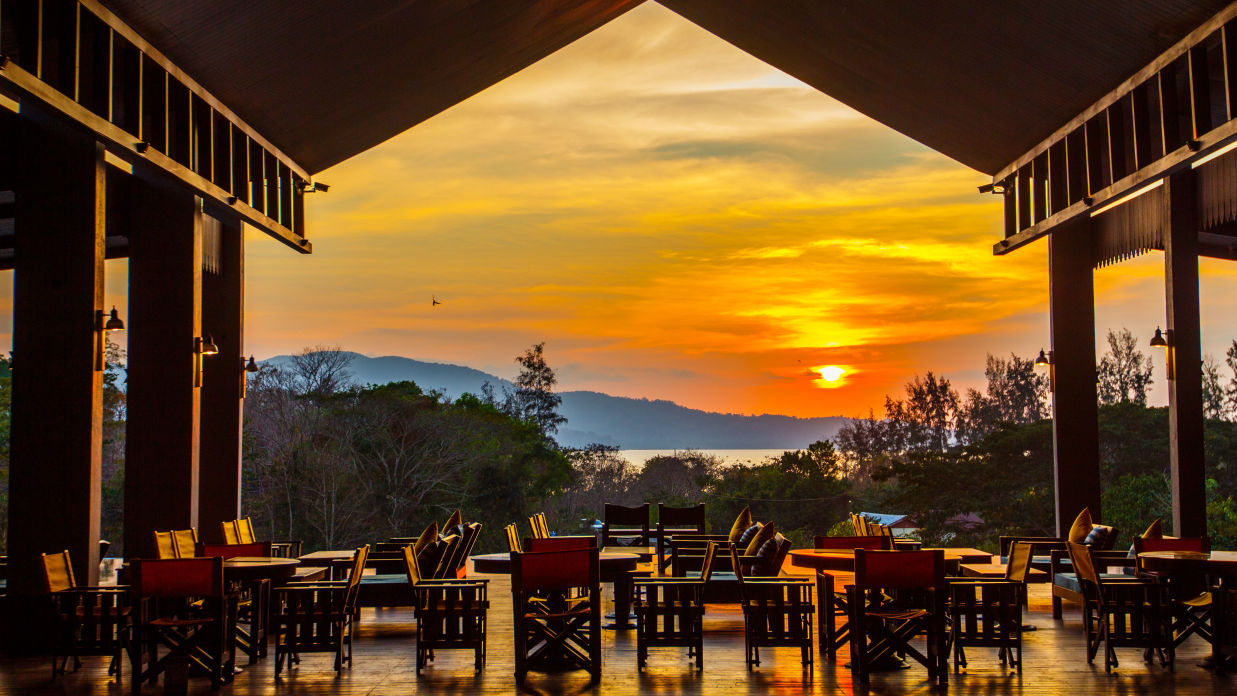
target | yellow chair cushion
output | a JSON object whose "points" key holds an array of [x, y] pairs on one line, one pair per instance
{"points": [[741, 523], [455, 520], [766, 533], [1081, 528]]}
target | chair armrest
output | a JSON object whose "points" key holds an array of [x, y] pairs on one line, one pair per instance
{"points": [[667, 581], [448, 582], [316, 583], [784, 580], [311, 586]]}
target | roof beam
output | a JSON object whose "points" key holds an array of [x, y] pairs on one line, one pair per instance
{"points": [[1176, 110], [100, 75]]}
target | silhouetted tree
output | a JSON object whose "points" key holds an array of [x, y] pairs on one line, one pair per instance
{"points": [[1124, 372], [533, 398], [1015, 394], [1215, 404]]}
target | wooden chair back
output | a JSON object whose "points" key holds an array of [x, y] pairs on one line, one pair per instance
{"points": [[513, 538], [260, 549], [540, 529], [706, 569], [165, 545], [676, 520], [1195, 544], [354, 578], [850, 543], [472, 531], [244, 531], [625, 526], [177, 577], [900, 570], [186, 542], [58, 572], [445, 569], [230, 533], [560, 543], [1019, 562]]}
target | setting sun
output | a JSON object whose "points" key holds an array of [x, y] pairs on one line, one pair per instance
{"points": [[831, 373]]}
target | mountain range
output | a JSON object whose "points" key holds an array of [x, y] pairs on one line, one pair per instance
{"points": [[613, 420]]}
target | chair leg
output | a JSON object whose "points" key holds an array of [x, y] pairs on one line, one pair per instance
{"points": [[1056, 607]]}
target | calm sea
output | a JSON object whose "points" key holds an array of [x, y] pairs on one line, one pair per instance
{"points": [[729, 456]]}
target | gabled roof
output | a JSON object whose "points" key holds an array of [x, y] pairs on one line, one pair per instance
{"points": [[977, 80]]}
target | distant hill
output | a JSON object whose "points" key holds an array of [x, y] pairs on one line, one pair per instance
{"points": [[613, 420]]}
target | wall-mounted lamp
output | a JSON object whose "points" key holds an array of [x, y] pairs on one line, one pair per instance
{"points": [[103, 323], [202, 347], [1044, 360], [1158, 340], [1165, 340], [246, 369], [996, 187]]}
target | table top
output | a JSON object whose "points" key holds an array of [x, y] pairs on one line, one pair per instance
{"points": [[325, 557], [996, 570], [500, 563], [645, 553], [1222, 562], [255, 567]]}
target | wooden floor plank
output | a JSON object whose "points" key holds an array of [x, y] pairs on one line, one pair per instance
{"points": [[384, 663]]}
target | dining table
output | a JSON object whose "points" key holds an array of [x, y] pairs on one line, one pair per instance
{"points": [[615, 567]]}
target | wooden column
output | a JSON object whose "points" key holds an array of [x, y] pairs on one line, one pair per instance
{"points": [[1075, 422], [223, 302], [1184, 359], [165, 300], [57, 397]]}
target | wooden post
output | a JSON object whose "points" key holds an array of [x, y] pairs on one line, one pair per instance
{"points": [[1075, 422], [57, 398], [223, 301], [1185, 356], [165, 291]]}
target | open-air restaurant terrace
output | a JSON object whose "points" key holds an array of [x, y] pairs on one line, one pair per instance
{"points": [[159, 132]]}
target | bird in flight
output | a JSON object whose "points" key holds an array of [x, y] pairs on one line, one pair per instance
{"points": [[434, 301]]}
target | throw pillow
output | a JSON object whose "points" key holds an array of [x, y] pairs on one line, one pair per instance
{"points": [[1156, 530], [741, 523], [429, 535], [1098, 535], [765, 556], [748, 534], [455, 520], [766, 533], [1081, 528]]}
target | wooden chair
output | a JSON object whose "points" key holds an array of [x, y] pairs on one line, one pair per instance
{"points": [[898, 595], [670, 612], [537, 523], [625, 526], [676, 520], [451, 614], [318, 616], [91, 620], [1123, 612], [1065, 582], [687, 552], [777, 612], [986, 613], [1191, 602], [1041, 547], [556, 631], [165, 545], [182, 604], [551, 633], [831, 596]]}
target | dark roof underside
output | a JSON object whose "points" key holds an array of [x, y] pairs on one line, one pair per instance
{"points": [[977, 80]]}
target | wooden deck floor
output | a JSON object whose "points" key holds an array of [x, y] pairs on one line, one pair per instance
{"points": [[1055, 663]]}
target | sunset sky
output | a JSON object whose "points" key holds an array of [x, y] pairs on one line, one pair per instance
{"points": [[676, 220]]}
